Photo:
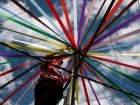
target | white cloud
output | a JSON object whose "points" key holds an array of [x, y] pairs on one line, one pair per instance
{"points": [[7, 77], [135, 49], [19, 82]]}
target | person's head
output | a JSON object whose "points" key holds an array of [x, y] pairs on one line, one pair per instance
{"points": [[60, 63]]}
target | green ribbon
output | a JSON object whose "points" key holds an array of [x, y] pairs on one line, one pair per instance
{"points": [[94, 68], [121, 73], [11, 61], [30, 27]]}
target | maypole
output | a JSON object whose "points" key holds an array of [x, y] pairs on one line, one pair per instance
{"points": [[70, 98]]}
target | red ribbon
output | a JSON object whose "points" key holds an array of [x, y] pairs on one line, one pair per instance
{"points": [[16, 68], [119, 63], [120, 14], [85, 89], [31, 14], [88, 68], [7, 83], [67, 19], [19, 87], [61, 23]]}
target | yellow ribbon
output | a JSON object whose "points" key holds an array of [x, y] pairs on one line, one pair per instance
{"points": [[100, 54], [137, 54], [31, 48]]}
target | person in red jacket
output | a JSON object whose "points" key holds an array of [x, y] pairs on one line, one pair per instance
{"points": [[49, 89]]}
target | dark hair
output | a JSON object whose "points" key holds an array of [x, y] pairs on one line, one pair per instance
{"points": [[61, 62]]}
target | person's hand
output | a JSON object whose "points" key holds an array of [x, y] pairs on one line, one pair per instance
{"points": [[66, 77]]}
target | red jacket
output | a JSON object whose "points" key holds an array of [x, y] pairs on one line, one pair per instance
{"points": [[48, 71]]}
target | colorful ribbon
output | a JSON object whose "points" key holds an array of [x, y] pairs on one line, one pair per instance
{"points": [[115, 62], [67, 19], [32, 68], [75, 20], [116, 39], [84, 72], [88, 15], [31, 14], [16, 68], [111, 82], [61, 23], [81, 20], [85, 89], [21, 86], [32, 28]]}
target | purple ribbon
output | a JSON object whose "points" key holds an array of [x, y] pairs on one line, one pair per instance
{"points": [[117, 28], [15, 55], [81, 20], [91, 87]]}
